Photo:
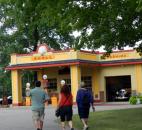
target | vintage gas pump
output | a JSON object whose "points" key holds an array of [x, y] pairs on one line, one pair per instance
{"points": [[45, 84], [28, 99]]}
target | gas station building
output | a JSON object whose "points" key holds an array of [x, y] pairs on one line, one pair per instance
{"points": [[121, 70]]}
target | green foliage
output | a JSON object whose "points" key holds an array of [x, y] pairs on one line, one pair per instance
{"points": [[111, 23], [140, 97], [133, 100], [5, 83], [139, 8]]}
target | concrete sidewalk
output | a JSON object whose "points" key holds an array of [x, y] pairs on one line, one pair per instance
{"points": [[20, 118]]}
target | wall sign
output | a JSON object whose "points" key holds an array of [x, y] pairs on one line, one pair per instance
{"points": [[112, 56], [48, 57]]}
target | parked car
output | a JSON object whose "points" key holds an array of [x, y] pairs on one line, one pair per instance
{"points": [[9, 99], [0, 100], [122, 95]]}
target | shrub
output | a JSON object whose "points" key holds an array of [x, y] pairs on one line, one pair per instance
{"points": [[133, 100], [140, 97]]}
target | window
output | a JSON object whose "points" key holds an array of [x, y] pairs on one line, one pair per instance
{"points": [[52, 83], [65, 70], [88, 81], [68, 83]]}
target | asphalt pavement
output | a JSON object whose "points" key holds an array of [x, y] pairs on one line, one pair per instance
{"points": [[20, 118]]}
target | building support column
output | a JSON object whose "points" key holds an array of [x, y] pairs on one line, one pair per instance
{"points": [[95, 85], [16, 88], [138, 79], [39, 75], [75, 80]]}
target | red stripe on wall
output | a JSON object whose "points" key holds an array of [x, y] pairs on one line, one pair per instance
{"points": [[123, 63]]}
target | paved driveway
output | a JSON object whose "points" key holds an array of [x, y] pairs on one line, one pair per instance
{"points": [[20, 118]]}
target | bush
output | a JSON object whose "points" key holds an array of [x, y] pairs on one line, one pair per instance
{"points": [[133, 100], [140, 97]]}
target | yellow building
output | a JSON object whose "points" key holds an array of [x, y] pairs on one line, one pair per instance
{"points": [[121, 70]]}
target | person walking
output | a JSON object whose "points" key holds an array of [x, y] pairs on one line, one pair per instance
{"points": [[84, 100], [65, 104], [38, 99]]}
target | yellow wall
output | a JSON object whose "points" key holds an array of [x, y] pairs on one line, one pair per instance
{"points": [[116, 71], [23, 59], [86, 71], [138, 77], [39, 75], [120, 56], [95, 83], [16, 88], [71, 55], [75, 79], [55, 57], [87, 56], [94, 73], [98, 77]]}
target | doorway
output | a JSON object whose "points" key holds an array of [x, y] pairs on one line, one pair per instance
{"points": [[118, 88]]}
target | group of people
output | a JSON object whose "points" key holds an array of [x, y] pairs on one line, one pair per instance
{"points": [[84, 100]]}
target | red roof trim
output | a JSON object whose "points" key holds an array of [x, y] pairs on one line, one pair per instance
{"points": [[122, 63], [97, 52], [67, 50], [101, 64], [30, 54], [40, 66], [111, 64], [115, 51], [92, 52]]}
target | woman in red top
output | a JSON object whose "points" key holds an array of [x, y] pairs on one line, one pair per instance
{"points": [[65, 103]]}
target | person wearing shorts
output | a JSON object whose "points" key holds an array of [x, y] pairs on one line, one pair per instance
{"points": [[38, 99], [38, 115]]}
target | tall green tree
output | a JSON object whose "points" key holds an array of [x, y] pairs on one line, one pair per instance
{"points": [[139, 8], [111, 23]]}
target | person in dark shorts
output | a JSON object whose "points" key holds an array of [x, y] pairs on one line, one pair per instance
{"points": [[84, 100], [65, 103]]}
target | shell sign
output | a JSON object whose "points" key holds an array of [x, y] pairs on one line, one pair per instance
{"points": [[42, 53]]}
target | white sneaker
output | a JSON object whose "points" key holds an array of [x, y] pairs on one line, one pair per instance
{"points": [[85, 128]]}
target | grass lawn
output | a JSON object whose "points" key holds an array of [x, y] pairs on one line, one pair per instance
{"points": [[128, 119]]}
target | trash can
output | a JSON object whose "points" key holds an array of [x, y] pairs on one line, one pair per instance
{"points": [[28, 101], [54, 101]]}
